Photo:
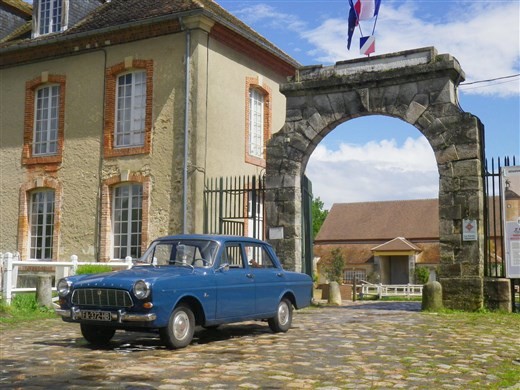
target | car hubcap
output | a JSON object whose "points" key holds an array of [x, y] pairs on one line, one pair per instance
{"points": [[283, 313], [181, 325]]}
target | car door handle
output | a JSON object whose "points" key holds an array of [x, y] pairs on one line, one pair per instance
{"points": [[250, 276], [279, 274]]}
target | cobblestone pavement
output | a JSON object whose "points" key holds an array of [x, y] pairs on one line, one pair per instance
{"points": [[362, 345]]}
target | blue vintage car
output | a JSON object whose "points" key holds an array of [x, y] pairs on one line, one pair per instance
{"points": [[183, 281]]}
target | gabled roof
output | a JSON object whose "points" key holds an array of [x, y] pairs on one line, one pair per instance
{"points": [[19, 6], [398, 244], [116, 15], [378, 221]]}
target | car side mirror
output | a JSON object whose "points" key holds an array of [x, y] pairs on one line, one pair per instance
{"points": [[223, 268]]}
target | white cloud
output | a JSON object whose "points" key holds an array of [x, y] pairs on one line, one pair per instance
{"points": [[380, 170], [485, 39], [483, 36]]}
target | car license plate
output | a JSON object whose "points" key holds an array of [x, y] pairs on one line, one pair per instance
{"points": [[96, 315]]}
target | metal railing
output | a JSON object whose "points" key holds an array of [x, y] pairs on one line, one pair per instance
{"points": [[10, 264], [392, 290], [493, 216]]}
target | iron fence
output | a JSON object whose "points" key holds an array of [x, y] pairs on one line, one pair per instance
{"points": [[235, 205], [494, 262]]}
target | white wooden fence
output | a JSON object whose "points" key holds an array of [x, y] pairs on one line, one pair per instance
{"points": [[392, 290], [9, 264]]}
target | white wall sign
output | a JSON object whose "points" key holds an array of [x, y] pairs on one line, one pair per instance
{"points": [[469, 230], [511, 216], [276, 233]]}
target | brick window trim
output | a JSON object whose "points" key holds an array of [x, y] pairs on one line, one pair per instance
{"points": [[105, 243], [26, 189], [28, 137], [253, 82], [111, 75]]}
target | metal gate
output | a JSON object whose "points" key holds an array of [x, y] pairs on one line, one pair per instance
{"points": [[235, 205], [494, 263]]}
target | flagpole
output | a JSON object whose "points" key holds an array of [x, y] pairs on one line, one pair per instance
{"points": [[375, 22]]}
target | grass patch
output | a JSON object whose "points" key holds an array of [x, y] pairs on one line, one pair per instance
{"points": [[23, 308], [93, 269]]}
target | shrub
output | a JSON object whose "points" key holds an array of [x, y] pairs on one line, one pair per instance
{"points": [[422, 275], [93, 269], [334, 267]]}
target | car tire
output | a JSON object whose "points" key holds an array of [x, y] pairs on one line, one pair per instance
{"points": [[97, 335], [282, 321], [180, 329]]}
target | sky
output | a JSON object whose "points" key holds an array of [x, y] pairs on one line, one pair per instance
{"points": [[381, 158]]}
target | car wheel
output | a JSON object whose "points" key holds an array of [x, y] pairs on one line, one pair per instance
{"points": [[97, 335], [282, 321], [180, 329]]}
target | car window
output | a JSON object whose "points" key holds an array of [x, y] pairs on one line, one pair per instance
{"points": [[196, 253], [161, 254], [232, 255], [258, 257]]}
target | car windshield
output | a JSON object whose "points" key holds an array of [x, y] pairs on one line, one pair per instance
{"points": [[190, 253]]}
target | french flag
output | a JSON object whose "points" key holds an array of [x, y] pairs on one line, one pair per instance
{"points": [[360, 10], [366, 9]]}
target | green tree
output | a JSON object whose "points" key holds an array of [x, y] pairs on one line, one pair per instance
{"points": [[335, 265], [318, 215], [422, 275]]}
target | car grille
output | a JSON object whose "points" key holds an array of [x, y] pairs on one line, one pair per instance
{"points": [[102, 297]]}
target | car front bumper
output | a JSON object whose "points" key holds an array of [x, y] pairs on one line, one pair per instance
{"points": [[119, 316]]}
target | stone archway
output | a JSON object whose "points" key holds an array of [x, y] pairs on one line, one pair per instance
{"points": [[418, 86]]}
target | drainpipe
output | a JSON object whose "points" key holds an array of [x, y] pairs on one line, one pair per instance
{"points": [[186, 129]]}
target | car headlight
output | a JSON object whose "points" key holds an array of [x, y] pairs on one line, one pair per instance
{"points": [[141, 289], [63, 287]]}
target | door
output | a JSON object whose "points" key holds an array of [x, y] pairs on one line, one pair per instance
{"points": [[269, 279], [399, 270], [236, 286]]}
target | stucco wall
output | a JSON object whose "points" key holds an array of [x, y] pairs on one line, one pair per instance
{"points": [[217, 143]]}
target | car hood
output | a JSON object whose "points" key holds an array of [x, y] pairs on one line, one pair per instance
{"points": [[125, 279]]}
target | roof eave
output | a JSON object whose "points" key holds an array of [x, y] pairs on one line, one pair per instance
{"points": [[67, 37]]}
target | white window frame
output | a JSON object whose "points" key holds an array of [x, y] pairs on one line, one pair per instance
{"points": [[46, 120], [256, 122], [127, 232], [51, 17], [130, 110], [360, 274], [41, 224]]}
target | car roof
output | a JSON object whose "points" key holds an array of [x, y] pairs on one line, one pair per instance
{"points": [[214, 237]]}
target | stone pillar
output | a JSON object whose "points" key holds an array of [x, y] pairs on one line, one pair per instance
{"points": [[432, 297], [461, 196], [497, 294], [283, 204], [334, 294], [44, 291]]}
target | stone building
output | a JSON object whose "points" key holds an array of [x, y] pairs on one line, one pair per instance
{"points": [[382, 242], [114, 113]]}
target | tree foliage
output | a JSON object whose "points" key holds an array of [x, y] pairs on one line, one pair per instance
{"points": [[422, 275], [334, 266], [318, 215]]}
